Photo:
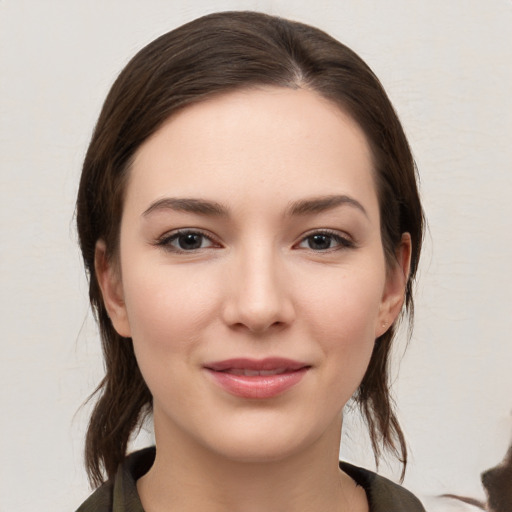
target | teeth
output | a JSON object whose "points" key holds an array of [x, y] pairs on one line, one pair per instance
{"points": [[251, 373], [277, 371], [254, 373]]}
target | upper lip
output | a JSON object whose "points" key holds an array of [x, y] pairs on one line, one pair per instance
{"points": [[267, 364]]}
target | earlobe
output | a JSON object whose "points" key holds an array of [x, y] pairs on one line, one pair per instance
{"points": [[396, 282], [109, 280]]}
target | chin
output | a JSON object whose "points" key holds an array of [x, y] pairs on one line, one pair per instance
{"points": [[271, 439], [260, 449]]}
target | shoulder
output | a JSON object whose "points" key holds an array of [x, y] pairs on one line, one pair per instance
{"points": [[120, 494], [100, 500], [383, 494]]}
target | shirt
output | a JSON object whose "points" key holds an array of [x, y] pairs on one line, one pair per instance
{"points": [[120, 493]]}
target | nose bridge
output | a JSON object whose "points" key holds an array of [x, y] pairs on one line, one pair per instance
{"points": [[260, 297]]}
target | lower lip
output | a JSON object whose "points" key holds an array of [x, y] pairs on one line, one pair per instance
{"points": [[257, 386]]}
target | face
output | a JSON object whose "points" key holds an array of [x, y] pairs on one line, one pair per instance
{"points": [[251, 274]]}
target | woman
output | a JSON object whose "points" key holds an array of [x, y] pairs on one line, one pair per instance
{"points": [[249, 218]]}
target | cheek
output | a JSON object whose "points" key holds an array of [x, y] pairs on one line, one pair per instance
{"points": [[342, 317], [167, 310], [345, 303]]}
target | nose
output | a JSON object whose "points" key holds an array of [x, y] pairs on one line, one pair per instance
{"points": [[259, 293]]}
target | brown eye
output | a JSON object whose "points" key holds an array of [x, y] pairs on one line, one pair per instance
{"points": [[320, 242], [189, 241], [186, 241], [324, 241]]}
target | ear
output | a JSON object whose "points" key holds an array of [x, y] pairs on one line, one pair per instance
{"points": [[109, 279], [394, 290]]}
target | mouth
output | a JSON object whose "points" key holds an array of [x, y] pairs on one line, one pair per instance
{"points": [[254, 373], [257, 379]]}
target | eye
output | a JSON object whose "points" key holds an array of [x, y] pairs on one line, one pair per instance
{"points": [[324, 241], [186, 241]]}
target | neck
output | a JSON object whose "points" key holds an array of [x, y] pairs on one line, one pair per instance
{"points": [[187, 477]]}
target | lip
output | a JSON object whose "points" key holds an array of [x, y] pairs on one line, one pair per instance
{"points": [[257, 378]]}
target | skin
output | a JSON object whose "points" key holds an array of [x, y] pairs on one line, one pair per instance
{"points": [[259, 285]]}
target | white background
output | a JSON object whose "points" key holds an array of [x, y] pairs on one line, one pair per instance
{"points": [[447, 66]]}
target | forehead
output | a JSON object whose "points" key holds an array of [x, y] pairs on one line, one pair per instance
{"points": [[269, 142]]}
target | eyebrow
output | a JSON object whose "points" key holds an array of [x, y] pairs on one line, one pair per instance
{"points": [[198, 206], [324, 203], [213, 208]]}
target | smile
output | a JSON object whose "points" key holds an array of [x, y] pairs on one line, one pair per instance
{"points": [[257, 379], [253, 373]]}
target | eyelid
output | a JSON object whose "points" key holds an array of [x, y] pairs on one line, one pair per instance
{"points": [[165, 240], [345, 241]]}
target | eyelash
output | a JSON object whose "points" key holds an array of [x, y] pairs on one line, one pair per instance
{"points": [[342, 242], [166, 240]]}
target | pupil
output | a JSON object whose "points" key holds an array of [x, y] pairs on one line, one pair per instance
{"points": [[190, 241], [320, 242]]}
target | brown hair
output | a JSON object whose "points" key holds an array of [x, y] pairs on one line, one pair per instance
{"points": [[212, 55]]}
